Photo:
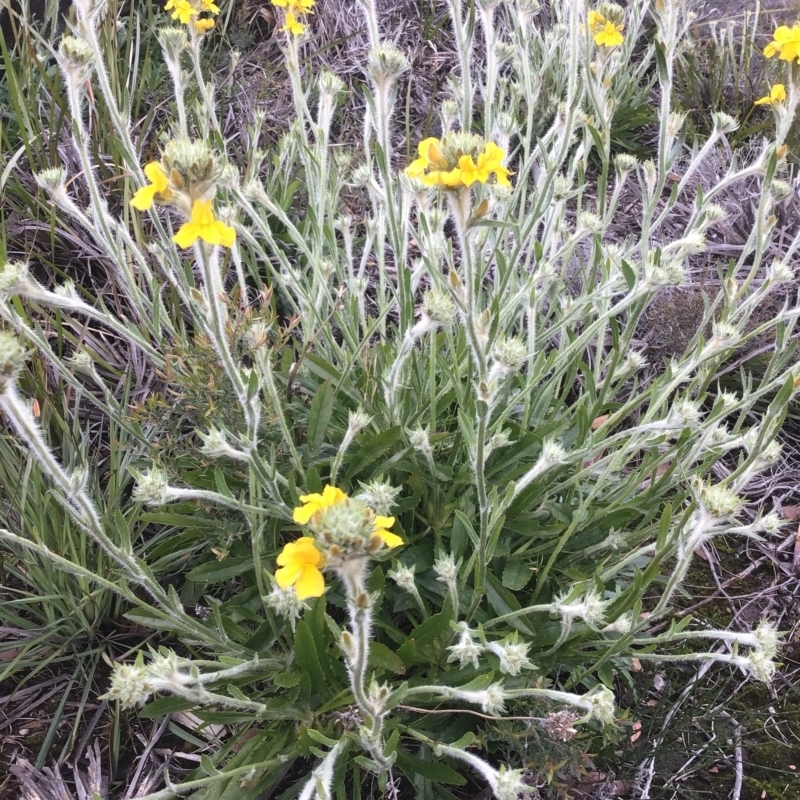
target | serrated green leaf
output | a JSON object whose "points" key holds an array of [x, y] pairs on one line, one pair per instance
{"points": [[382, 657]]}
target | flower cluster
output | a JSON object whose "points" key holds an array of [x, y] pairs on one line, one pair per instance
{"points": [[345, 529], [294, 10], [785, 43], [606, 25], [184, 178], [458, 159], [188, 12]]}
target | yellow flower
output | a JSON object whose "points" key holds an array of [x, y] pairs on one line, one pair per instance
{"points": [[292, 25], [204, 226], [777, 94], [431, 159], [389, 539], [295, 6], [209, 5], [610, 35], [433, 169], [159, 184], [203, 25], [494, 163], [317, 502], [429, 155], [181, 10], [300, 563], [450, 179], [490, 162], [785, 43], [330, 496]]}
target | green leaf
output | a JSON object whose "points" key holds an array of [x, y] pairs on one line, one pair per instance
{"points": [[516, 575], [432, 770], [406, 653], [222, 484], [380, 656], [503, 602], [286, 680], [215, 571], [429, 631], [319, 417], [307, 659], [371, 450], [154, 619], [165, 705]]}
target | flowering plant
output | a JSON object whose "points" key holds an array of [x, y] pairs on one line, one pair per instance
{"points": [[455, 380]]}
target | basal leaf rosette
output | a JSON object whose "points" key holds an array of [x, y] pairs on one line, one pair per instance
{"points": [[346, 532], [459, 160]]}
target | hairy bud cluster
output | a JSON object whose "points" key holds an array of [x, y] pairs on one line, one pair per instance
{"points": [[345, 530], [12, 359], [379, 495]]}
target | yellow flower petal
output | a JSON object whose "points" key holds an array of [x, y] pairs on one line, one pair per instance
{"points": [[311, 583], [424, 146], [156, 176], [315, 497], [292, 25], [433, 153], [331, 495], [286, 576], [202, 214], [610, 35], [187, 235], [417, 167], [389, 539], [143, 199], [383, 522]]}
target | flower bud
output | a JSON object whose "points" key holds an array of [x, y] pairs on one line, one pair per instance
{"points": [[192, 160], [13, 278], [379, 495], [449, 112], [76, 59], [603, 705], [513, 655], [724, 123], [330, 85], [403, 576], [151, 487], [51, 179], [385, 64], [625, 163], [418, 439], [12, 359], [439, 308], [779, 272], [284, 603], [173, 41], [717, 500]]}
